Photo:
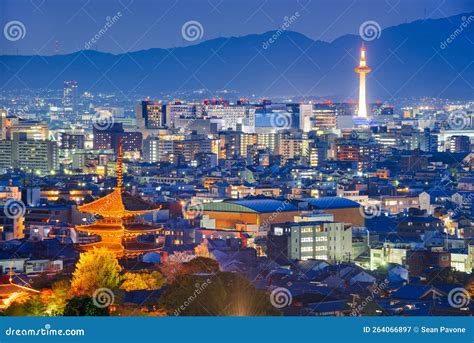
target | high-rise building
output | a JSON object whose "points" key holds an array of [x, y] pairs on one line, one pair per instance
{"points": [[305, 240], [182, 116], [72, 141], [70, 95], [293, 147], [317, 117], [428, 141], [150, 115], [232, 117], [40, 157], [6, 155], [34, 130], [109, 138], [3, 123], [459, 144], [366, 154], [362, 117], [318, 153]]}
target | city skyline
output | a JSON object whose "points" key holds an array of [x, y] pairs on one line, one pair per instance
{"points": [[271, 174]]}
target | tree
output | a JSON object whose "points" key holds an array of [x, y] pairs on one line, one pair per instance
{"points": [[35, 306], [223, 294], [171, 269], [26, 305], [84, 306], [180, 257], [200, 265], [202, 251], [98, 268], [142, 281], [58, 299]]}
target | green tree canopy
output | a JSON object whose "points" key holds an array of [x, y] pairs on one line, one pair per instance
{"points": [[223, 294], [142, 281], [84, 306]]}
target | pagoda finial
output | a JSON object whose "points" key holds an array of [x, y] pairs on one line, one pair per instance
{"points": [[119, 168]]}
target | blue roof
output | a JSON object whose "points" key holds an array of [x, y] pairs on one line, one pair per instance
{"points": [[266, 205], [413, 291], [331, 203], [437, 192]]}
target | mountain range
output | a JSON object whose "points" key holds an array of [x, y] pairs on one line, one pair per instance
{"points": [[412, 59]]}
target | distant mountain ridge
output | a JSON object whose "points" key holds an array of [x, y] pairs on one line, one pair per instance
{"points": [[407, 60]]}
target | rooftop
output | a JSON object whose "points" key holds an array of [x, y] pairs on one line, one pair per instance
{"points": [[331, 203], [250, 206]]}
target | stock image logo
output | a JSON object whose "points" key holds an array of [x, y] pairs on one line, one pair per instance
{"points": [[14, 30], [103, 297], [281, 297], [459, 120], [102, 122], [191, 211], [281, 120], [370, 30], [14, 208], [192, 31], [370, 211], [459, 297]]}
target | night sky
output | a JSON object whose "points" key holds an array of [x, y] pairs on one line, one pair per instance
{"points": [[65, 26]]}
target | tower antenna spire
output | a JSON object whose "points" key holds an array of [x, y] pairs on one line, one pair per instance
{"points": [[119, 167]]}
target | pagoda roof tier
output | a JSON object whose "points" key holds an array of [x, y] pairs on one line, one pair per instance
{"points": [[138, 227], [114, 247], [101, 228], [119, 204]]}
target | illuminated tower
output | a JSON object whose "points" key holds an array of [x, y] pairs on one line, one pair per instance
{"points": [[116, 226], [362, 70]]}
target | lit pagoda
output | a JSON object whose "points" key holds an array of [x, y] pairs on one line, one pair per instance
{"points": [[116, 221]]}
